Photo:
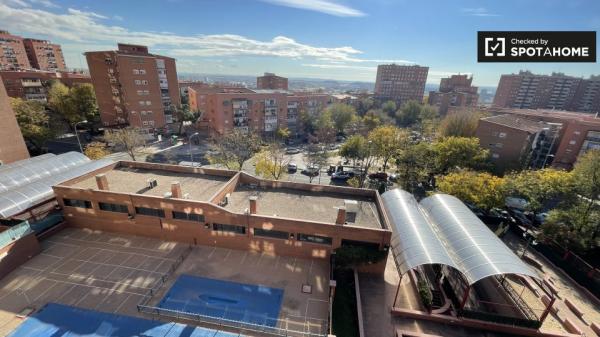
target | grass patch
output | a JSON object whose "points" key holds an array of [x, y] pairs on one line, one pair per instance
{"points": [[345, 317]]}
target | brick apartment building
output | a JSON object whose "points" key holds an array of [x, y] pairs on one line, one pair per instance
{"points": [[20, 53], [13, 55], [12, 145], [134, 87], [33, 84], [516, 143], [455, 91], [558, 91], [196, 92], [44, 55], [575, 133], [271, 81], [400, 83], [260, 111]]}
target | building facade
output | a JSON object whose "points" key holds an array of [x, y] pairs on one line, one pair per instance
{"points": [[44, 55], [12, 52], [33, 84], [12, 144], [558, 91], [577, 132], [271, 81], [455, 91], [400, 83], [134, 87], [259, 111]]}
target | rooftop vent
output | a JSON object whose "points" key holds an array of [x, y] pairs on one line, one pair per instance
{"points": [[152, 183]]}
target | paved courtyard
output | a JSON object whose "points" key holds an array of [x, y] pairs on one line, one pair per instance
{"points": [[113, 272]]}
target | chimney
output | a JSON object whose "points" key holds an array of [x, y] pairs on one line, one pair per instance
{"points": [[102, 182], [253, 200], [176, 190], [341, 216]]}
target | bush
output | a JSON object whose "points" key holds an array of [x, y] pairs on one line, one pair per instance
{"points": [[352, 256], [425, 294]]}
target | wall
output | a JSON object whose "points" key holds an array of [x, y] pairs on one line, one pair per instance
{"points": [[17, 253], [514, 145], [12, 144]]}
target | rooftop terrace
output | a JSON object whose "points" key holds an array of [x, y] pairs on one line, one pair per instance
{"points": [[200, 187], [305, 205]]}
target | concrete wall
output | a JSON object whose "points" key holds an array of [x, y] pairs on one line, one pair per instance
{"points": [[17, 253], [12, 144]]}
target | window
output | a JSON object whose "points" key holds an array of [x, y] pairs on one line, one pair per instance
{"points": [[229, 228], [148, 103], [77, 203], [271, 233], [138, 82], [142, 72], [324, 240], [151, 123], [105, 206], [150, 211], [144, 82], [502, 135], [136, 72], [573, 142], [188, 216], [142, 103], [145, 123], [495, 155]]}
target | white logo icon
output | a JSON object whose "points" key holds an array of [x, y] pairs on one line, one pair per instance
{"points": [[495, 46]]}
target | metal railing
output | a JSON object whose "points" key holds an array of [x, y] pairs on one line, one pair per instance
{"points": [[14, 233]]}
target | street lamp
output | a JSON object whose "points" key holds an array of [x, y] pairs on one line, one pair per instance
{"points": [[190, 141], [77, 134]]}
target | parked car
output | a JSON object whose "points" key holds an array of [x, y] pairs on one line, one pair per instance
{"points": [[292, 168], [342, 175], [382, 176], [521, 218], [516, 203], [292, 150], [311, 171], [393, 177], [540, 218]]}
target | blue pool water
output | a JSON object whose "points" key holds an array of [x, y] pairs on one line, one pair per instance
{"points": [[223, 299], [57, 320]]}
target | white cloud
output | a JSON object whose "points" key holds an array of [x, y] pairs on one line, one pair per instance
{"points": [[45, 3], [480, 11], [118, 18], [323, 6]]}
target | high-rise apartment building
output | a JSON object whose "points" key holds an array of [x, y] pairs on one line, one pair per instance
{"points": [[455, 91], [134, 87], [12, 145], [400, 83], [271, 81], [34, 84], [558, 91], [12, 52], [44, 55]]}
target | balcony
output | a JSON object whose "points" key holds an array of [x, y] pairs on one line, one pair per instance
{"points": [[31, 83]]}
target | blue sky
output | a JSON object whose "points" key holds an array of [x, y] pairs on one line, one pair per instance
{"points": [[337, 39]]}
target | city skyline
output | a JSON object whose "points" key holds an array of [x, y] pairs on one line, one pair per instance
{"points": [[272, 35]]}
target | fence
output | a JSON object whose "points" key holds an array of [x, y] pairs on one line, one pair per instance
{"points": [[14, 233]]}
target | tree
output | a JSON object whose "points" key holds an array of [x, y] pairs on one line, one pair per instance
{"points": [[308, 121], [481, 189], [33, 121], [359, 149], [183, 114], [428, 120], [352, 147], [414, 164], [370, 121], [234, 148], [387, 141], [272, 163], [283, 133], [460, 124], [316, 156], [342, 116], [324, 129], [389, 108], [364, 105], [128, 138], [96, 150], [459, 152], [540, 186], [409, 113], [82, 99]]}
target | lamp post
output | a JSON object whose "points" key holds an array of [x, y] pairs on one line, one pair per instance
{"points": [[77, 134], [190, 141]]}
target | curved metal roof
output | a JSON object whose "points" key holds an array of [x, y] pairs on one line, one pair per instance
{"points": [[22, 162], [20, 198], [443, 230], [414, 241], [36, 168]]}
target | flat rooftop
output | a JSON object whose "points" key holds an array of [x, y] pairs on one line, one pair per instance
{"points": [[304, 205], [200, 187]]}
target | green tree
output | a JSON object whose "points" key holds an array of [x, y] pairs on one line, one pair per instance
{"points": [[342, 116], [460, 124], [364, 105], [127, 138], [183, 115], [481, 189], [82, 99], [272, 162], [414, 164], [459, 152], [409, 113], [234, 148], [429, 119], [359, 149], [352, 147], [308, 121], [316, 156], [389, 108], [283, 133], [387, 141], [33, 121], [540, 186], [370, 121]]}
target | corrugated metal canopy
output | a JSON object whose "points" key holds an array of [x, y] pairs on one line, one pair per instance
{"points": [[443, 230], [414, 241], [21, 192]]}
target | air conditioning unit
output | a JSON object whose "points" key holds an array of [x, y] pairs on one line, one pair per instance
{"points": [[351, 206], [152, 183], [168, 195]]}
